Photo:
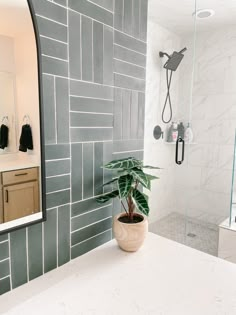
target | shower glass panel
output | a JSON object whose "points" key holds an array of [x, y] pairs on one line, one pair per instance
{"points": [[213, 119]]}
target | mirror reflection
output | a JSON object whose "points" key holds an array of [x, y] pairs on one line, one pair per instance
{"points": [[20, 152]]}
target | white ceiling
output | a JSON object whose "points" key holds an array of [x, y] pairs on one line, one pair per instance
{"points": [[176, 15], [15, 17]]}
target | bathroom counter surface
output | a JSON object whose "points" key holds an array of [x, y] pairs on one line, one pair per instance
{"points": [[162, 278]]}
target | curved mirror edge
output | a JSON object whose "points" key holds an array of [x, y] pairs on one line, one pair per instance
{"points": [[41, 216]]}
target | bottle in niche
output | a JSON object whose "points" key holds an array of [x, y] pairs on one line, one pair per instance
{"points": [[188, 135], [181, 130], [175, 132], [169, 133]]}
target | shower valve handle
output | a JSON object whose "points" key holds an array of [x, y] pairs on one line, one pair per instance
{"points": [[177, 161]]}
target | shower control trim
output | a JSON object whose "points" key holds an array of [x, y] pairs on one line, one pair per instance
{"points": [[177, 161]]}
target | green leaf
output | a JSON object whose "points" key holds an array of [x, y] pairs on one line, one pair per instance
{"points": [[140, 202], [151, 177], [125, 164], [141, 177], [124, 185], [106, 197], [151, 167], [111, 181]]}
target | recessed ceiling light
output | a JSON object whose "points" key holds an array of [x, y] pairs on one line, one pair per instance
{"points": [[204, 13]]}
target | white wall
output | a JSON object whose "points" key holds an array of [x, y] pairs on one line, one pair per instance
{"points": [[7, 90], [27, 86]]}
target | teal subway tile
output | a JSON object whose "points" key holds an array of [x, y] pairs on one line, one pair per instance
{"points": [[50, 241], [63, 234], [4, 250], [50, 10], [76, 171], [90, 244], [92, 10], [18, 258], [35, 251], [5, 285], [90, 217], [82, 104], [91, 231], [4, 268]]}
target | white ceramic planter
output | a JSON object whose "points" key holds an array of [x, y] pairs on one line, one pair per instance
{"points": [[130, 237]]}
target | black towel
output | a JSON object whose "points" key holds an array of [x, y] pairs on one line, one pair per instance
{"points": [[26, 140], [3, 136]]}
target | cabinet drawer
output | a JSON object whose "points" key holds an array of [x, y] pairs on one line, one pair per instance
{"points": [[19, 176]]}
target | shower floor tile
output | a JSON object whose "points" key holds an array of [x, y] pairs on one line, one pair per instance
{"points": [[188, 231]]}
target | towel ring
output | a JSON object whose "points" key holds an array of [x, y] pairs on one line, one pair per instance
{"points": [[26, 119], [5, 118]]}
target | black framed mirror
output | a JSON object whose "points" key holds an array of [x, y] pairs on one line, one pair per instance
{"points": [[22, 156]]}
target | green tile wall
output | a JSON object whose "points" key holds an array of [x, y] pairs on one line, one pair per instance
{"points": [[94, 99]]}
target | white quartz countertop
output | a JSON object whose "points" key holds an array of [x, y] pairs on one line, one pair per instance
{"points": [[11, 162], [162, 278]]}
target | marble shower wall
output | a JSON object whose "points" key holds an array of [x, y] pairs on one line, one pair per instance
{"points": [[157, 152], [207, 181], [94, 64]]}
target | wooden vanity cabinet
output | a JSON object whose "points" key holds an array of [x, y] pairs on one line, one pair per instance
{"points": [[20, 193]]}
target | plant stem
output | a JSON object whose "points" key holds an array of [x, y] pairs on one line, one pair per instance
{"points": [[124, 206]]}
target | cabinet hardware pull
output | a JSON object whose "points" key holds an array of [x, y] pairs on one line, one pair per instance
{"points": [[6, 195], [21, 174]]}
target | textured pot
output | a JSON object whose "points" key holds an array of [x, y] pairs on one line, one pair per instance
{"points": [[130, 237]]}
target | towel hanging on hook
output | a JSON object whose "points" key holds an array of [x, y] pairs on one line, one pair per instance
{"points": [[4, 131], [26, 119], [5, 120]]}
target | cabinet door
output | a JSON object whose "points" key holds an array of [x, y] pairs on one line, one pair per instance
{"points": [[20, 200]]}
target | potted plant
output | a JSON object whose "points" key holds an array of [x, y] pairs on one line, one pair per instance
{"points": [[130, 227]]}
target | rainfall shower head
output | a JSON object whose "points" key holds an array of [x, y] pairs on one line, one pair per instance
{"points": [[174, 60]]}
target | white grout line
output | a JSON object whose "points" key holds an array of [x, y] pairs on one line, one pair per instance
{"points": [[5, 259], [91, 127], [93, 98], [8, 276], [91, 224], [56, 40], [9, 248], [54, 160], [141, 150], [130, 63], [126, 75], [91, 238], [55, 107], [56, 191], [27, 254], [137, 39], [92, 113], [52, 57], [53, 208], [46, 18], [100, 6], [92, 54], [80, 39], [60, 175], [95, 141], [137, 52], [68, 53], [90, 211]]}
